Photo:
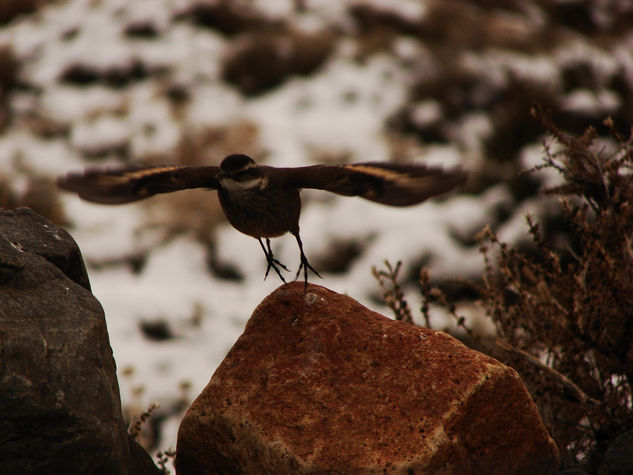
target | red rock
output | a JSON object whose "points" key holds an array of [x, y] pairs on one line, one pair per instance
{"points": [[318, 383]]}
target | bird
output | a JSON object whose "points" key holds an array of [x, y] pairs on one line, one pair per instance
{"points": [[264, 201]]}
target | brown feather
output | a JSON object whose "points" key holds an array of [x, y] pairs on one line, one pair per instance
{"points": [[385, 183], [124, 185]]}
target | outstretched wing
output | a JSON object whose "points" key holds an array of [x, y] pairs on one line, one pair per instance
{"points": [[391, 184], [125, 185]]}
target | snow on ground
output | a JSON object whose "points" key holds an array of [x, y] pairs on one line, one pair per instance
{"points": [[342, 108]]}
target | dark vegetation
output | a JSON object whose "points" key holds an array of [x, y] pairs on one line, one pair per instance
{"points": [[10, 9], [260, 61], [563, 314], [114, 77]]}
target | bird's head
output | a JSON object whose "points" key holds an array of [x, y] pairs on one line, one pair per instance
{"points": [[235, 164], [240, 172]]}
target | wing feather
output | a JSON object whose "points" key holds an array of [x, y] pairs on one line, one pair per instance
{"points": [[387, 183], [124, 185]]}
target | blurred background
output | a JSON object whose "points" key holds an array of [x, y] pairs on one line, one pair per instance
{"points": [[291, 83]]}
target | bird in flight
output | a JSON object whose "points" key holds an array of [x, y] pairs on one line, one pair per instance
{"points": [[263, 201]]}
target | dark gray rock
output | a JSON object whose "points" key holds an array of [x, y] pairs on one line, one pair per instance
{"points": [[24, 230], [60, 410]]}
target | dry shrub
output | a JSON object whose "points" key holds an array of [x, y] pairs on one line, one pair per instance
{"points": [[453, 26], [229, 17], [260, 61], [573, 310], [564, 315]]}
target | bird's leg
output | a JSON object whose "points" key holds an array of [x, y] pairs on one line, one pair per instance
{"points": [[271, 261], [304, 263]]}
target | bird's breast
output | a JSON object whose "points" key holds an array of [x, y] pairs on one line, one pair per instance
{"points": [[268, 212]]}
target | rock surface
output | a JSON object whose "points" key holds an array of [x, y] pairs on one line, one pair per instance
{"points": [[317, 383], [60, 410]]}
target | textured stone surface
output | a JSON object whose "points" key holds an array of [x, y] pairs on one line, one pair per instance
{"points": [[318, 383], [60, 410]]}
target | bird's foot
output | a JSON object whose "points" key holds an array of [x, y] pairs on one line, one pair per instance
{"points": [[305, 265], [272, 264]]}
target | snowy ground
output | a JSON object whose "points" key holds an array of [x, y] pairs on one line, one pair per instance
{"points": [[342, 110]]}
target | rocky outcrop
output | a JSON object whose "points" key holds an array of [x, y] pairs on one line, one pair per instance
{"points": [[317, 383], [60, 410]]}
